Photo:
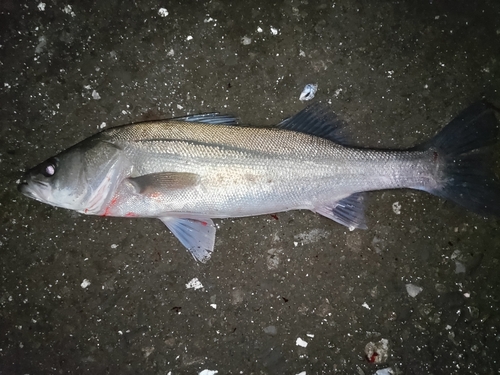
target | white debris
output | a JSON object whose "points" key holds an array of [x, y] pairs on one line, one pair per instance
{"points": [[246, 40], [311, 335], [102, 126], [85, 283], [308, 92], [162, 12], [194, 284], [377, 352], [365, 305], [189, 37], [337, 93], [274, 31], [302, 53], [113, 246], [171, 52], [385, 371], [413, 290], [213, 305], [259, 29], [314, 235], [41, 7], [68, 10], [208, 372], [301, 342], [42, 44], [302, 373], [95, 95], [396, 207]]}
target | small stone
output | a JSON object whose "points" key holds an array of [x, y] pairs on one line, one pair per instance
{"points": [[271, 330], [413, 290]]}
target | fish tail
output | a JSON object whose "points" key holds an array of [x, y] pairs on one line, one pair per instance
{"points": [[466, 176]]}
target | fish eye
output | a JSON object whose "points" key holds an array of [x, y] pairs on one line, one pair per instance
{"points": [[49, 168]]}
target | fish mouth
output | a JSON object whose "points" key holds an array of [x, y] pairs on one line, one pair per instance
{"points": [[28, 187], [25, 189]]}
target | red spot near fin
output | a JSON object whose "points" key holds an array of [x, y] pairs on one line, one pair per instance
{"points": [[274, 216], [373, 357], [204, 223], [107, 211], [130, 214]]}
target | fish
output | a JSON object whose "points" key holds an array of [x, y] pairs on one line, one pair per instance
{"points": [[190, 170]]}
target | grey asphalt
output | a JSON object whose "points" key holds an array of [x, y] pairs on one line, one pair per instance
{"points": [[82, 294]]}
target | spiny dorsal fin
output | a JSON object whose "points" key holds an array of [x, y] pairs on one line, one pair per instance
{"points": [[210, 118]]}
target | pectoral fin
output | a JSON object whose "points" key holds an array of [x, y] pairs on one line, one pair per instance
{"points": [[197, 235], [163, 182], [348, 211]]}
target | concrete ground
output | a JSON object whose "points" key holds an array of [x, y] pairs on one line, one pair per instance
{"points": [[82, 294]]}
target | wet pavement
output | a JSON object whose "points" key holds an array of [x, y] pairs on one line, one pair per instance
{"points": [[291, 293]]}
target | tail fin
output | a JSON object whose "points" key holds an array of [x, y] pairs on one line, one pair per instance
{"points": [[469, 179]]}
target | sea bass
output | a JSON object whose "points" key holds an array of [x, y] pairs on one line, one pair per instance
{"points": [[189, 170]]}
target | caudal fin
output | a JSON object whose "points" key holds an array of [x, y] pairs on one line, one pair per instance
{"points": [[468, 177]]}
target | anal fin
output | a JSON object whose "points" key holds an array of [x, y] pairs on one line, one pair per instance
{"points": [[348, 211], [197, 235]]}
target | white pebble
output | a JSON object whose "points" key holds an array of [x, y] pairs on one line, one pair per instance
{"points": [[301, 342], [385, 371], [413, 290], [246, 40], [85, 283], [194, 284], [208, 372], [396, 207], [163, 12]]}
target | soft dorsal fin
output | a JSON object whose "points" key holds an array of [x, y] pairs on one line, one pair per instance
{"points": [[317, 120], [210, 118]]}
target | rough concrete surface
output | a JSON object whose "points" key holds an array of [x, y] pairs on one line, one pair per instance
{"points": [[82, 294]]}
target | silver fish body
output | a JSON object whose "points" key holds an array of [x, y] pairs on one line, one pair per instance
{"points": [[190, 170]]}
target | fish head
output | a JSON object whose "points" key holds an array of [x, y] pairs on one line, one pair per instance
{"points": [[58, 181], [79, 178]]}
